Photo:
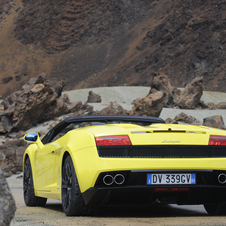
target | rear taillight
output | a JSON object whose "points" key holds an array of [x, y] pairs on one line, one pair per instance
{"points": [[113, 141], [217, 140]]}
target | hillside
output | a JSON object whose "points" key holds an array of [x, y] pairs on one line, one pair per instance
{"points": [[93, 43]]}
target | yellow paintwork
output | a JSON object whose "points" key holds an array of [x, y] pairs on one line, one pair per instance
{"points": [[46, 160]]}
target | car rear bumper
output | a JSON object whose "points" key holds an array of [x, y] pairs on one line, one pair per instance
{"points": [[142, 195], [134, 189]]}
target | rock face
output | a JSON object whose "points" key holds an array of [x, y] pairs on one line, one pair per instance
{"points": [[215, 121], [39, 100], [151, 105], [7, 203], [93, 98], [181, 42], [191, 95]]}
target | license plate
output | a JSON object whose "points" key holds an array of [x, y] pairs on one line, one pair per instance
{"points": [[186, 178]]}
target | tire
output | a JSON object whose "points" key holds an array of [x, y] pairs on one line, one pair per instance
{"points": [[72, 201], [215, 209], [28, 187]]}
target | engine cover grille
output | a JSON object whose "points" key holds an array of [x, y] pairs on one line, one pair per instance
{"points": [[163, 151]]}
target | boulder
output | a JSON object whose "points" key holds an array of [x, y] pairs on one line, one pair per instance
{"points": [[86, 107], [31, 83], [57, 86], [182, 117], [93, 98], [82, 109], [75, 106], [221, 105], [58, 108], [7, 203], [150, 105], [15, 135], [215, 121], [113, 109], [191, 95], [38, 101], [11, 156], [210, 105], [171, 121], [202, 105], [11, 99], [32, 106], [161, 82]]}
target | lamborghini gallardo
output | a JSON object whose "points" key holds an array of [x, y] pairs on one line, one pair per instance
{"points": [[91, 161]]}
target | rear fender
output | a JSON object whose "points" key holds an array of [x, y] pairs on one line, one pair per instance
{"points": [[79, 149]]}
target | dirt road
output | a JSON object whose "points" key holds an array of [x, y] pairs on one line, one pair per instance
{"points": [[52, 214]]}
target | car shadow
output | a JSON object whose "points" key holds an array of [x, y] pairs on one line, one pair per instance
{"points": [[155, 210], [151, 211]]}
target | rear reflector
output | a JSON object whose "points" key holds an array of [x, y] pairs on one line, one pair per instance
{"points": [[162, 189], [113, 141], [217, 140]]}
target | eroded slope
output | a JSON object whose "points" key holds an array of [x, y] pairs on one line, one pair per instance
{"points": [[109, 43]]}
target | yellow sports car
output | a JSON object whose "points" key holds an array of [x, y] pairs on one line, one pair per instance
{"points": [[88, 161]]}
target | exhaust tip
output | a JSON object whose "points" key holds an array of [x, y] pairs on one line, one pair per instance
{"points": [[119, 179], [108, 180], [222, 178]]}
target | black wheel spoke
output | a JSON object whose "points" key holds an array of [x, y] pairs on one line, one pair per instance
{"points": [[68, 173], [64, 186], [25, 189], [27, 179], [64, 182], [69, 196], [65, 201]]}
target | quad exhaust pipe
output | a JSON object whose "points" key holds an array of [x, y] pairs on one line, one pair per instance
{"points": [[119, 179], [222, 178], [109, 179]]}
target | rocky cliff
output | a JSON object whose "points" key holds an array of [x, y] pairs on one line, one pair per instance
{"points": [[109, 43]]}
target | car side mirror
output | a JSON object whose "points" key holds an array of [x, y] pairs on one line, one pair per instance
{"points": [[33, 138]]}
